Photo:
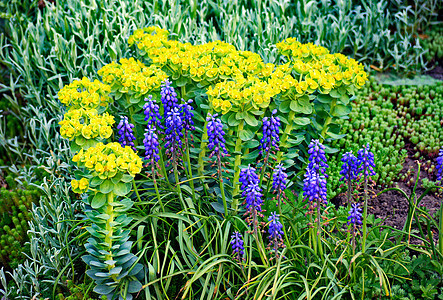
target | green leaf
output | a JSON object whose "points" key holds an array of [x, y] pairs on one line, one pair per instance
{"points": [[98, 201], [106, 187], [134, 100], [182, 81], [251, 120], [126, 178], [252, 155], [335, 136], [334, 94], [139, 118], [117, 178], [301, 105], [252, 144], [232, 120], [80, 140], [95, 181], [246, 135], [121, 188], [302, 121], [104, 289], [134, 286], [257, 112], [240, 115], [285, 106], [218, 207], [341, 110], [344, 99]]}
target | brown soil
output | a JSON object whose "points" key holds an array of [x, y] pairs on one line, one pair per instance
{"points": [[392, 206], [436, 72]]}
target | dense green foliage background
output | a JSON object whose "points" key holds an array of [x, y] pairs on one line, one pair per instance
{"points": [[45, 45]]}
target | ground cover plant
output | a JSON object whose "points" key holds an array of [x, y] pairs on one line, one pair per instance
{"points": [[182, 215]]}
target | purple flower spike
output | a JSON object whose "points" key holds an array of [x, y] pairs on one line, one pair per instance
{"points": [[355, 216], [253, 198], [275, 233], [279, 178], [317, 157], [271, 130], [168, 96], [187, 115], [126, 134], [237, 245], [248, 177], [365, 160], [215, 136], [349, 168], [440, 165], [314, 186], [275, 227], [151, 111], [151, 145], [174, 130]]}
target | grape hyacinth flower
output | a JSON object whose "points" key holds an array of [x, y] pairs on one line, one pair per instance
{"points": [[271, 130], [151, 111], [439, 166], [126, 134], [355, 216], [252, 191], [216, 143], [365, 160], [151, 145], [354, 219], [174, 132], [366, 164], [187, 115], [314, 186], [349, 168], [317, 157], [168, 96], [279, 183], [237, 245], [279, 178], [254, 198], [349, 171], [216, 136], [247, 178], [275, 232]]}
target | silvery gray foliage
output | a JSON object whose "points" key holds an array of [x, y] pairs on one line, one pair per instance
{"points": [[53, 242]]}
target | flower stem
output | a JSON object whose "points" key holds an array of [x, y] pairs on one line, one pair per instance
{"points": [[222, 189], [155, 186], [201, 155], [365, 210], [285, 135], [237, 162], [327, 122], [188, 160], [109, 228]]}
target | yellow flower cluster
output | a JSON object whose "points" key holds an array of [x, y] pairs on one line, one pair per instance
{"points": [[85, 94], [106, 160], [321, 70], [87, 123], [215, 63], [132, 76], [80, 186], [240, 80]]}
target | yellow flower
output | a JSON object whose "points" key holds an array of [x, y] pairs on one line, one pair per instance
{"points": [[99, 168], [225, 106], [74, 184], [83, 184]]}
